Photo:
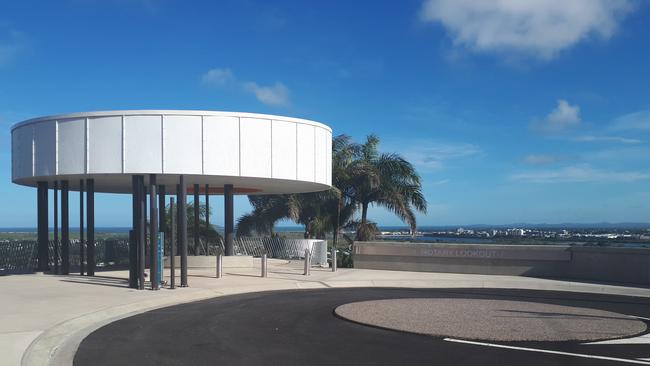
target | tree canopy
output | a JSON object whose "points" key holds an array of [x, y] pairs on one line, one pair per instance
{"points": [[361, 176]]}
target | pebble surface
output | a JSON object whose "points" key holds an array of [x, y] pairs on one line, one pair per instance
{"points": [[492, 320]]}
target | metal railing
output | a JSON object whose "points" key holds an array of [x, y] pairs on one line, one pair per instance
{"points": [[281, 248], [21, 256]]}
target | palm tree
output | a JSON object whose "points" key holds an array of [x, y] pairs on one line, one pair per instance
{"points": [[209, 234], [267, 211], [385, 180], [319, 212], [361, 176]]}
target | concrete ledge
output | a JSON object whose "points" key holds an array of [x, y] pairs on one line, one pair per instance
{"points": [[621, 265], [210, 261]]}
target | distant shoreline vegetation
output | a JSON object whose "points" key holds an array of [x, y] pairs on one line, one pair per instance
{"points": [[391, 228]]}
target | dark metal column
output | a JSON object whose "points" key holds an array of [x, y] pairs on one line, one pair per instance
{"points": [[153, 231], [133, 235], [142, 224], [162, 223], [56, 227], [182, 204], [207, 217], [43, 230], [229, 218], [81, 228], [90, 222], [172, 244], [147, 242], [65, 229], [196, 219]]}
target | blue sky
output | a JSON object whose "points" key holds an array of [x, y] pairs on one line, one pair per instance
{"points": [[534, 111]]}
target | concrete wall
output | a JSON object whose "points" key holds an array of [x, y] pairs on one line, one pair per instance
{"points": [[550, 261]]}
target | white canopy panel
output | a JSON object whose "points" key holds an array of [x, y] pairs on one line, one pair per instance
{"points": [[257, 153]]}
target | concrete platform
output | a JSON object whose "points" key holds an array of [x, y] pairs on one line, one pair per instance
{"points": [[44, 317]]}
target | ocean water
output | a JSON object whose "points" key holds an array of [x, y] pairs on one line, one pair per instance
{"points": [[439, 239]]}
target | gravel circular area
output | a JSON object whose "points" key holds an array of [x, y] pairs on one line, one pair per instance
{"points": [[494, 320]]}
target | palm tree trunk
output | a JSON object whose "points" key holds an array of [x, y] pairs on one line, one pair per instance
{"points": [[336, 224], [364, 212]]}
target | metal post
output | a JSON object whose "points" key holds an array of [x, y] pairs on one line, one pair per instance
{"points": [[172, 244], [43, 230], [65, 229], [307, 262], [219, 265], [90, 222], [56, 227], [182, 204], [147, 243], [264, 272], [142, 223], [81, 228], [333, 256], [133, 235], [196, 219], [133, 258], [207, 217], [162, 216], [153, 232], [229, 218]]}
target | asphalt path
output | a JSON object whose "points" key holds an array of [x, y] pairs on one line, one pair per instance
{"points": [[300, 328]]}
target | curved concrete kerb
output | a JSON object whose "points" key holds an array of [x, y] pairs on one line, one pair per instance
{"points": [[57, 345]]}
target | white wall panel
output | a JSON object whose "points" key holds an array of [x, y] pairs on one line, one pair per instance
{"points": [[320, 155], [45, 148], [183, 152], [221, 145], [249, 150], [105, 144], [305, 152], [71, 139], [23, 163], [255, 149], [142, 144], [284, 150]]}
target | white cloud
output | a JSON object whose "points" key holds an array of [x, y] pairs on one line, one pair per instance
{"points": [[636, 155], [563, 116], [580, 173], [633, 121], [11, 46], [218, 77], [430, 155], [537, 28], [544, 159], [274, 95], [619, 139]]}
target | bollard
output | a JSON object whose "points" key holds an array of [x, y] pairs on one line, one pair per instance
{"points": [[333, 259], [219, 265], [307, 262], [264, 272]]}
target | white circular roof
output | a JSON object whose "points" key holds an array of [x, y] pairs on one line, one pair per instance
{"points": [[257, 153]]}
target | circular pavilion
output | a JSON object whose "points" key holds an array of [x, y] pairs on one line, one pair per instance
{"points": [[157, 152]]}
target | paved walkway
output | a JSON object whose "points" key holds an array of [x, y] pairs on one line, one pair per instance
{"points": [[43, 318]]}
